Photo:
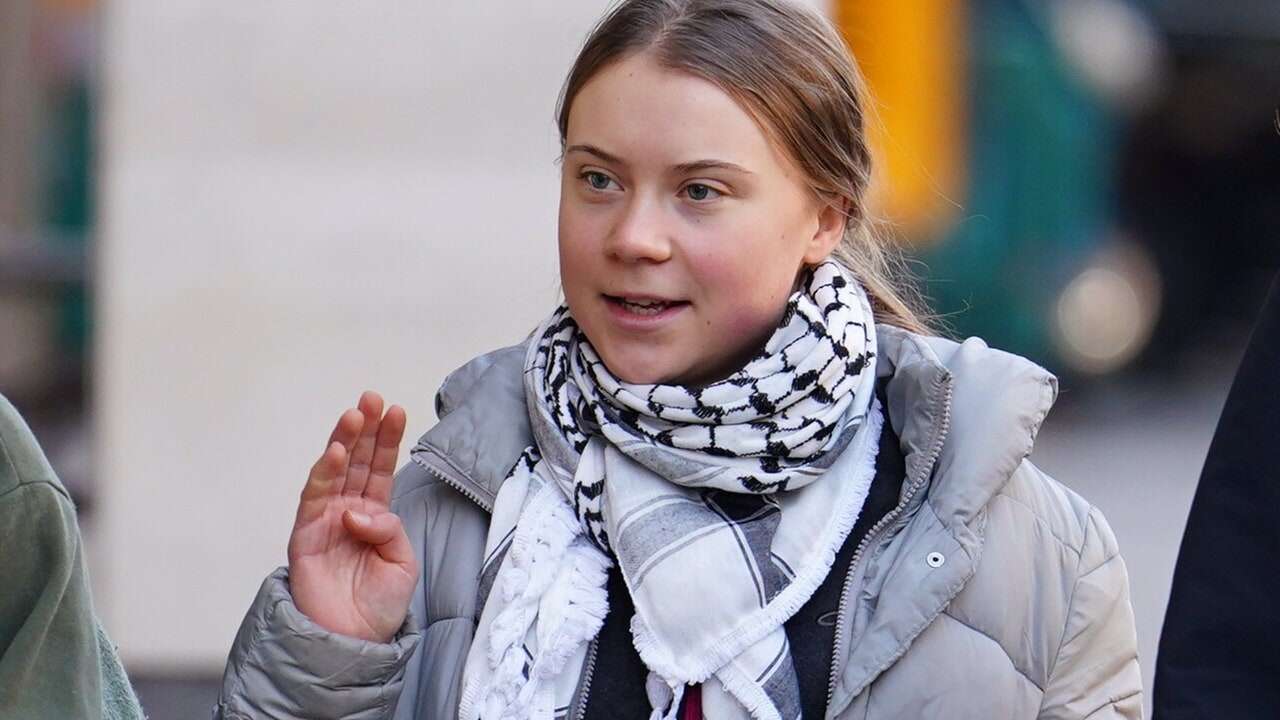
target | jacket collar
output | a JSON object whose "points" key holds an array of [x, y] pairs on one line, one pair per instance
{"points": [[997, 403], [483, 425]]}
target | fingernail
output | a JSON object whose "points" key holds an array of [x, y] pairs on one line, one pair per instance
{"points": [[360, 518]]}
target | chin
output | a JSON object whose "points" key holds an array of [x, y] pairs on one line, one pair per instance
{"points": [[639, 370], [639, 374]]}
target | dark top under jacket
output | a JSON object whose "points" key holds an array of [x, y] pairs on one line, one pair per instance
{"points": [[617, 684], [1217, 656]]}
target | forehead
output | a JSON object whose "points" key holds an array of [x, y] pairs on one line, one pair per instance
{"points": [[643, 112]]}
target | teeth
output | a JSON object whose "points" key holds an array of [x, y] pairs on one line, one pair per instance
{"points": [[645, 307]]}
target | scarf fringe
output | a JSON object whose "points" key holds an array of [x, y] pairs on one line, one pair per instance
{"points": [[549, 533], [749, 694]]}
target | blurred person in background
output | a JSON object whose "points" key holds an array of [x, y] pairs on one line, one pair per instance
{"points": [[56, 661], [1218, 650], [734, 475]]}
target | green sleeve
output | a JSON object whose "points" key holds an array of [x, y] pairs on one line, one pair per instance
{"points": [[54, 659]]}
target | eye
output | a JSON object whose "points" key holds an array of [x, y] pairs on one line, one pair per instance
{"points": [[597, 180], [699, 192]]}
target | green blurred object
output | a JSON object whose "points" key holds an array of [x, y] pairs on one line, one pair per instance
{"points": [[67, 197], [1040, 185]]}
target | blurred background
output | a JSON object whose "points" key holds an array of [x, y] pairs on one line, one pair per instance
{"points": [[219, 222]]}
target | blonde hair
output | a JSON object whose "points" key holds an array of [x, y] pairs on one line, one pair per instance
{"points": [[789, 68]]}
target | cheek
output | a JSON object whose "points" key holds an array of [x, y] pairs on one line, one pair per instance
{"points": [[575, 245], [747, 322], [749, 263], [741, 295]]}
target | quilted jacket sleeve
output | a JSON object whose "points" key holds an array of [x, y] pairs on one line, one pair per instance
{"points": [[1095, 674], [283, 665]]}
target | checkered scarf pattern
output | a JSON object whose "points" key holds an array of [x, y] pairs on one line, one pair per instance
{"points": [[675, 483]]}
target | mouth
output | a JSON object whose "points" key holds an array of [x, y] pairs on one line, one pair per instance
{"points": [[644, 306]]}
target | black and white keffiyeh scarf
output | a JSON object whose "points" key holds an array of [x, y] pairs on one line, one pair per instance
{"points": [[705, 493]]}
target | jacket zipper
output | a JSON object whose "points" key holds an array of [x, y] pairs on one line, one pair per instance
{"points": [[913, 489], [586, 682], [429, 460]]}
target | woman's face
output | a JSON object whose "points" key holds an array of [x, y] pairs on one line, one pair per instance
{"points": [[682, 226]]}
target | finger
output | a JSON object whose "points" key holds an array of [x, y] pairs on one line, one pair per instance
{"points": [[383, 468], [384, 532], [347, 430], [370, 406], [322, 482]]}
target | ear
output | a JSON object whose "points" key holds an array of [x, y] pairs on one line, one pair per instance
{"points": [[832, 216]]}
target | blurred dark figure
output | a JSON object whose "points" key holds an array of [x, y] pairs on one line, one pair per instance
{"points": [[56, 661], [1218, 652]]}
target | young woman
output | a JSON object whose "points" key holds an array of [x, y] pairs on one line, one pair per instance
{"points": [[732, 476]]}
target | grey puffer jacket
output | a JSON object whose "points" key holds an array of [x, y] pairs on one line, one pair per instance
{"points": [[991, 591]]}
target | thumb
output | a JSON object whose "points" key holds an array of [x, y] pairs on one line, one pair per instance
{"points": [[384, 532]]}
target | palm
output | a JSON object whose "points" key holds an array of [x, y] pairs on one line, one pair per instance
{"points": [[351, 568]]}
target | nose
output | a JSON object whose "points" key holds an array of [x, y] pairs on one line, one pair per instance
{"points": [[639, 235]]}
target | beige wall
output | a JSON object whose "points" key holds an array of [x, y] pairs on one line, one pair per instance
{"points": [[298, 201]]}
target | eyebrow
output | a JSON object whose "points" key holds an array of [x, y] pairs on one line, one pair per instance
{"points": [[682, 168], [696, 165], [593, 150]]}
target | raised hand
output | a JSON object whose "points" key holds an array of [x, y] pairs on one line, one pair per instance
{"points": [[351, 567]]}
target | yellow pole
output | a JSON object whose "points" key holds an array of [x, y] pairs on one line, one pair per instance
{"points": [[913, 55]]}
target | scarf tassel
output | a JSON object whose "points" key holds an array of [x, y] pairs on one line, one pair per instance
{"points": [[549, 532]]}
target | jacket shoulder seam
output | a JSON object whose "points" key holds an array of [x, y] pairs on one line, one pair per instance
{"points": [[35, 485], [7, 455], [1079, 577], [1053, 532], [1091, 520], [1071, 600]]}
